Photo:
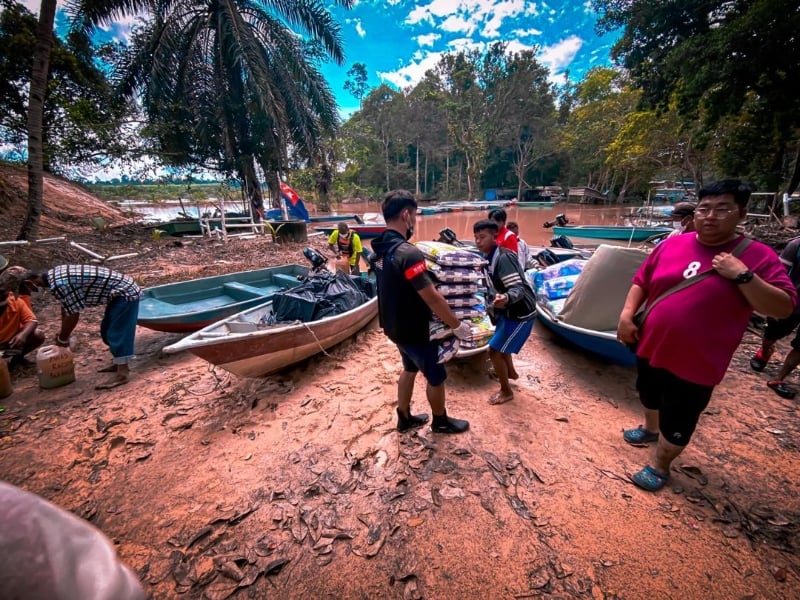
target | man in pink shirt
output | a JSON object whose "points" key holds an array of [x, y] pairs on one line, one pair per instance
{"points": [[505, 237], [680, 360]]}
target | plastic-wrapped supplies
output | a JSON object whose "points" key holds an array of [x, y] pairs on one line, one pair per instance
{"points": [[458, 289], [445, 274], [554, 283], [449, 256], [566, 268], [460, 280]]}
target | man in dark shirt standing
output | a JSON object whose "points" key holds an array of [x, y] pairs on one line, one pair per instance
{"points": [[407, 300], [780, 328]]}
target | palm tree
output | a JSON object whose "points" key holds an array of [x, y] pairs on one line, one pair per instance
{"points": [[39, 71], [250, 51], [229, 85], [38, 89]]}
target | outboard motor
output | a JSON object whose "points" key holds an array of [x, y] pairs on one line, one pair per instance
{"points": [[560, 220], [561, 241], [316, 259], [448, 236], [546, 257]]}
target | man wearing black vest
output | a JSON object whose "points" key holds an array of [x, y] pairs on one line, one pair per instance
{"points": [[407, 300]]}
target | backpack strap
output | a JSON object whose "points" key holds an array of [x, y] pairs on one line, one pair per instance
{"points": [[645, 310]]}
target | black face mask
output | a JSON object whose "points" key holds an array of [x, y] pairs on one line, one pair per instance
{"points": [[409, 231]]}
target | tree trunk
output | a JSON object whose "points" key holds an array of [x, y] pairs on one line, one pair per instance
{"points": [[251, 186], [425, 176], [417, 170], [39, 71], [447, 176], [794, 181], [386, 159]]}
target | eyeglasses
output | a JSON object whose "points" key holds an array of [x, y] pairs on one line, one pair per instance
{"points": [[704, 211]]}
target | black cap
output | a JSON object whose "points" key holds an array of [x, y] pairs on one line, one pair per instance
{"points": [[683, 209]]}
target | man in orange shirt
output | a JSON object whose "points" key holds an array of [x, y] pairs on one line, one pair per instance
{"points": [[18, 334]]}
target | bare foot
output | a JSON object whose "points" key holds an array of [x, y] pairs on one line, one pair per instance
{"points": [[112, 383], [112, 368], [512, 374], [500, 398]]}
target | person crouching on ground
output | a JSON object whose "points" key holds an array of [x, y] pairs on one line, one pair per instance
{"points": [[513, 304], [77, 287], [347, 243], [407, 300], [18, 333], [689, 336]]}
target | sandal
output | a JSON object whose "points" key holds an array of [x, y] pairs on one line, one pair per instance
{"points": [[759, 361], [782, 389], [640, 435], [649, 479]]}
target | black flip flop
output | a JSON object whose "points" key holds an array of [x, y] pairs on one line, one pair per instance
{"points": [[783, 390]]}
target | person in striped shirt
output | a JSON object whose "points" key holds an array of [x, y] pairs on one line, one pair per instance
{"points": [[78, 287]]}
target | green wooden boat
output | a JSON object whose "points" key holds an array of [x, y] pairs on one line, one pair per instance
{"points": [[187, 306], [609, 232], [178, 227], [537, 204]]}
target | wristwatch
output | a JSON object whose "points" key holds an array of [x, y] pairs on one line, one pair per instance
{"points": [[743, 277]]}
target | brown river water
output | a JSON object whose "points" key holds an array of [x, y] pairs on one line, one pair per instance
{"points": [[530, 220]]}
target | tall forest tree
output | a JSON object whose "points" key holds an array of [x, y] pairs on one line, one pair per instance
{"points": [[356, 82], [726, 65]]}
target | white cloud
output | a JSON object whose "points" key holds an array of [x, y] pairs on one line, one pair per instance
{"points": [[34, 5], [360, 29], [558, 56], [521, 33], [456, 24], [425, 60], [468, 16], [427, 39], [412, 73]]}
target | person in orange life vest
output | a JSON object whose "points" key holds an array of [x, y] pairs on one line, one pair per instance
{"points": [[346, 243], [505, 237], [17, 328]]}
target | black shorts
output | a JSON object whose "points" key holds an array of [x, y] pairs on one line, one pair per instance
{"points": [[425, 358], [679, 402], [780, 328]]}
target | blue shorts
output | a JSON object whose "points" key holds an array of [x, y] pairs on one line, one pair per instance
{"points": [[425, 358], [510, 335]]}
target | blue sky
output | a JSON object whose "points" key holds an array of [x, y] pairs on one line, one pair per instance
{"points": [[398, 40]]}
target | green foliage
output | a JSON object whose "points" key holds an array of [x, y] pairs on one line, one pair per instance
{"points": [[230, 86], [726, 66], [356, 82], [82, 119]]}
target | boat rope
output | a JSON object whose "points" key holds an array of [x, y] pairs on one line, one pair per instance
{"points": [[316, 339]]}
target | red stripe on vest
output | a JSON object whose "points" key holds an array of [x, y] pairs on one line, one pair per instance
{"points": [[415, 270]]}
